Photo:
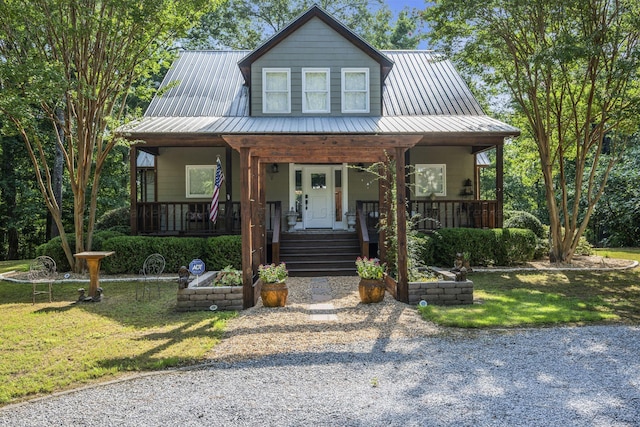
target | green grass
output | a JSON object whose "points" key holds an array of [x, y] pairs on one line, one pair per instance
{"points": [[48, 347], [623, 253], [20, 265], [530, 299]]}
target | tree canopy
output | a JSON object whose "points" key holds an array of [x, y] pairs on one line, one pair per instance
{"points": [[74, 63], [244, 24], [571, 69]]}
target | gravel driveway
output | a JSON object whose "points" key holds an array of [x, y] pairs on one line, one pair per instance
{"points": [[573, 376]]}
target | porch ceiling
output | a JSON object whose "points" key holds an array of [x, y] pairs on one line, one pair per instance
{"points": [[321, 149]]}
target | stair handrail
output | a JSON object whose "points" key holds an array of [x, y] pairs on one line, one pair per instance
{"points": [[275, 239], [363, 232]]}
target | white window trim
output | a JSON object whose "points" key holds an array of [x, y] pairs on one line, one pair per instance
{"points": [[433, 169], [265, 71], [210, 169], [327, 72], [343, 90]]}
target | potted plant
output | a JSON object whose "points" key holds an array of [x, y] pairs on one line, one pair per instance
{"points": [[273, 290], [371, 286], [292, 218], [351, 220]]}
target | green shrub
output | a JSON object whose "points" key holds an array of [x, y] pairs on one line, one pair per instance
{"points": [[223, 251], [53, 247], [522, 219], [515, 245], [131, 251], [485, 247], [114, 218]]}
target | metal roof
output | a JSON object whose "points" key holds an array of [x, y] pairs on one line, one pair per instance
{"points": [[203, 92], [202, 83], [425, 83], [449, 124]]}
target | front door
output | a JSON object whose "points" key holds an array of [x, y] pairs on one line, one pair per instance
{"points": [[317, 197]]}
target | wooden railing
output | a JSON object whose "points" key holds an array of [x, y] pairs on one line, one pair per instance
{"points": [[431, 215], [192, 218], [363, 232], [275, 240]]}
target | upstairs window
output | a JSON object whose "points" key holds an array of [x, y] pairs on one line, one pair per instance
{"points": [[355, 90], [315, 90], [276, 96]]}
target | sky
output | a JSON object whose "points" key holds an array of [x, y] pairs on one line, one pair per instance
{"points": [[397, 5]]}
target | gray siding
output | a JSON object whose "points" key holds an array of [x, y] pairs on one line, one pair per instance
{"points": [[315, 45]]}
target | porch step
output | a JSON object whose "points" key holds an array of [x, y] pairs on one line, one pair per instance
{"points": [[320, 254]]}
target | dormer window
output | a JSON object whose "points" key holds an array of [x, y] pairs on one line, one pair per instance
{"points": [[316, 96], [276, 96], [355, 90]]}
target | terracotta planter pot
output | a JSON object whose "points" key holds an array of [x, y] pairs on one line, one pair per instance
{"points": [[274, 294], [371, 290]]}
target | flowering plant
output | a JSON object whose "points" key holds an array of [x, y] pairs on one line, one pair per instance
{"points": [[369, 268], [272, 273]]}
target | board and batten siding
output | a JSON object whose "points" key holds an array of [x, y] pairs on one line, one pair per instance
{"points": [[315, 45]]}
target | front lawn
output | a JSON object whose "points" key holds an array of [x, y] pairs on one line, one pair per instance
{"points": [[48, 347], [550, 298]]}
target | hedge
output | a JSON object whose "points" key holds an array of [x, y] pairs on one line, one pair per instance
{"points": [[485, 246], [131, 251]]}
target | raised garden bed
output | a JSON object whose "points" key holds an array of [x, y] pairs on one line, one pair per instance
{"points": [[200, 295]]}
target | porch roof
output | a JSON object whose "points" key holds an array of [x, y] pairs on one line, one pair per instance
{"points": [[444, 125]]}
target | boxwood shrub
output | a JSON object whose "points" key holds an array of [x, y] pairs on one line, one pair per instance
{"points": [[485, 246], [223, 251], [131, 251], [53, 247]]}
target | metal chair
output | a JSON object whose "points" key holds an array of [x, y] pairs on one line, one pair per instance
{"points": [[42, 274], [151, 270]]}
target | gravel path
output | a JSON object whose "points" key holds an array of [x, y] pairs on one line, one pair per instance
{"points": [[585, 376], [377, 364]]}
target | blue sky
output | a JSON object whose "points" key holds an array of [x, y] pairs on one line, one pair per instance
{"points": [[397, 5]]}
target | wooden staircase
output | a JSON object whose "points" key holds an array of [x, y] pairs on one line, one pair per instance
{"points": [[331, 253]]}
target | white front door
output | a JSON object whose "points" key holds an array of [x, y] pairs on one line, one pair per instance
{"points": [[317, 197]]}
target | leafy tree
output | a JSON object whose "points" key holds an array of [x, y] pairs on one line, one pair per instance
{"points": [[616, 219], [73, 64], [244, 24], [571, 68]]}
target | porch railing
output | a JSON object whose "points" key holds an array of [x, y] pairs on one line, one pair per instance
{"points": [[192, 218], [441, 213]]}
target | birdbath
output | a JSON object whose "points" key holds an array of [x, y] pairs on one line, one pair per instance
{"points": [[93, 262]]}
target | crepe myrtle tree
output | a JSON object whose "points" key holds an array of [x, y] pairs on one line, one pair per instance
{"points": [[73, 64], [570, 68]]}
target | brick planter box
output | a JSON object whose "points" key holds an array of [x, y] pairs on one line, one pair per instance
{"points": [[442, 292], [201, 298]]}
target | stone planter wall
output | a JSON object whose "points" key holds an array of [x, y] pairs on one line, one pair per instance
{"points": [[441, 292], [201, 298]]}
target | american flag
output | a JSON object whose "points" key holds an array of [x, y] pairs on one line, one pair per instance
{"points": [[213, 211]]}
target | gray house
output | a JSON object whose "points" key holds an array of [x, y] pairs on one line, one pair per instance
{"points": [[294, 123]]}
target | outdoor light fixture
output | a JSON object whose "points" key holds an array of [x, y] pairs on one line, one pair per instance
{"points": [[274, 168]]}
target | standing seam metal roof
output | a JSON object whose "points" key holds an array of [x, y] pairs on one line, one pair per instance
{"points": [[210, 84], [204, 92]]}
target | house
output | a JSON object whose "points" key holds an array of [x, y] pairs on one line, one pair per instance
{"points": [[293, 123]]}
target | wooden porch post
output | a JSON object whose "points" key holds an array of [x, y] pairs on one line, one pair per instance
{"points": [[499, 184], [401, 211], [228, 186], [257, 211], [383, 210], [245, 221], [133, 196]]}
